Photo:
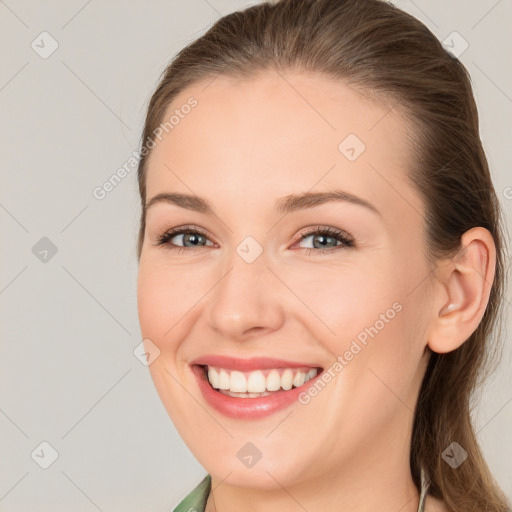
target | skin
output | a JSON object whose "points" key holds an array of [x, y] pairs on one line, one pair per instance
{"points": [[246, 144]]}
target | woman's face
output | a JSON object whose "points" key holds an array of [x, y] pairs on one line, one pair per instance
{"points": [[355, 304]]}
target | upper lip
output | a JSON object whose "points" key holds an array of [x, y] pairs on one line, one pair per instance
{"points": [[254, 363]]}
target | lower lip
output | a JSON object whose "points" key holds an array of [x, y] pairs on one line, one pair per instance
{"points": [[247, 408]]}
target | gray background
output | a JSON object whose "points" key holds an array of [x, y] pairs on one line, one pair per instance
{"points": [[69, 325]]}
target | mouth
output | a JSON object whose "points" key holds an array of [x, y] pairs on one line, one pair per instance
{"points": [[257, 383], [255, 388]]}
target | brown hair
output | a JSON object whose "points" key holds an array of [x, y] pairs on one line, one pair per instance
{"points": [[379, 49]]}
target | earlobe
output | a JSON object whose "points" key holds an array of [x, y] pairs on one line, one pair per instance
{"points": [[463, 290]]}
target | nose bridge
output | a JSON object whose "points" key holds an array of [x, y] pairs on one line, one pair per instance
{"points": [[246, 297]]}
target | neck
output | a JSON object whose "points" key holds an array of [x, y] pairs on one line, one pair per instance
{"points": [[382, 481]]}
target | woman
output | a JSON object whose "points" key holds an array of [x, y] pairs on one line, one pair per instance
{"points": [[321, 262]]}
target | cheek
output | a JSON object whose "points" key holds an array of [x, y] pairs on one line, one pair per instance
{"points": [[339, 299], [377, 383], [365, 315], [166, 298], [381, 376]]}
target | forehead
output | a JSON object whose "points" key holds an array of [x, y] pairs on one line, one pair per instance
{"points": [[281, 133]]}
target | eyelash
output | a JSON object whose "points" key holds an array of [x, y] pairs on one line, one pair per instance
{"points": [[342, 236]]}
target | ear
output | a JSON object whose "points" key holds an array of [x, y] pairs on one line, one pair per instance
{"points": [[462, 291]]}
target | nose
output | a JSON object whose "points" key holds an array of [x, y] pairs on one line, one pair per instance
{"points": [[249, 300]]}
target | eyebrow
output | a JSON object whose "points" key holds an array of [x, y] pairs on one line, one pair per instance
{"points": [[284, 205]]}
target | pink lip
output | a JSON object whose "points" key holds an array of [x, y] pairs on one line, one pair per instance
{"points": [[255, 363], [247, 408]]}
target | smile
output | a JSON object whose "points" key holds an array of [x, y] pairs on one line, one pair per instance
{"points": [[251, 388], [258, 383]]}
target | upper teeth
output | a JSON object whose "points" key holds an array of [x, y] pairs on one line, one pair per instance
{"points": [[259, 381]]}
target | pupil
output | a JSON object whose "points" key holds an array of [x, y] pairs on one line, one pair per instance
{"points": [[189, 236], [324, 238]]}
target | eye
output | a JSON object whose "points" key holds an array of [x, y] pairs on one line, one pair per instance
{"points": [[186, 235], [324, 239]]}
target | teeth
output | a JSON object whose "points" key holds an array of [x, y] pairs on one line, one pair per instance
{"points": [[256, 383], [259, 382], [213, 377], [245, 395], [287, 380], [273, 381], [238, 382], [223, 379], [299, 379], [312, 373]]}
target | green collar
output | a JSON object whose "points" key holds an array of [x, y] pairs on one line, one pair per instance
{"points": [[196, 500]]}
